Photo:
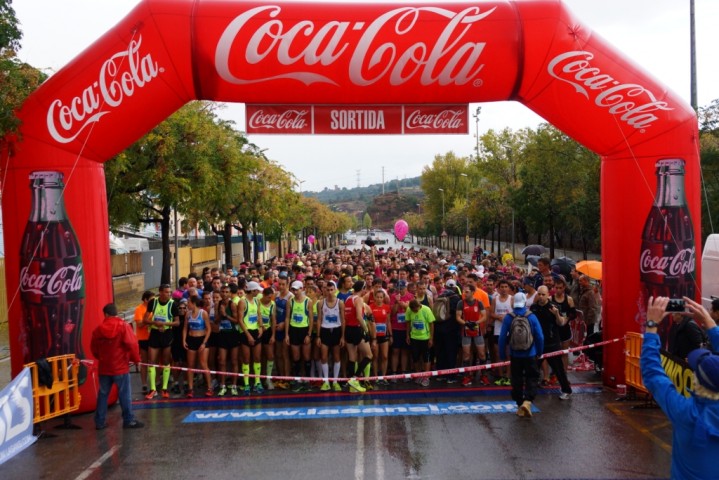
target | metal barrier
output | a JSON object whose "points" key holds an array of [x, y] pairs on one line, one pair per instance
{"points": [[64, 395], [633, 350]]}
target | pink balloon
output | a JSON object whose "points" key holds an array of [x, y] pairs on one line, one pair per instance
{"points": [[400, 229], [311, 239]]}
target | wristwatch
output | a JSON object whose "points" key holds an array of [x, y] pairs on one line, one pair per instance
{"points": [[651, 324]]}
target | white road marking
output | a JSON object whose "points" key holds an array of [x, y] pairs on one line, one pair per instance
{"points": [[97, 463], [359, 451]]}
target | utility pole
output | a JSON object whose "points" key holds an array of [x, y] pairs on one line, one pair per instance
{"points": [[382, 180], [358, 178], [476, 126], [466, 211]]}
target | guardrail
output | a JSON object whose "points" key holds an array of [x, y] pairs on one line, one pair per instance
{"points": [[63, 396]]}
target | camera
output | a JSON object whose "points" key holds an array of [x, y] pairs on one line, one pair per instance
{"points": [[675, 305]]}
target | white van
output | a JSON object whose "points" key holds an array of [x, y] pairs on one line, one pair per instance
{"points": [[136, 244], [710, 270]]}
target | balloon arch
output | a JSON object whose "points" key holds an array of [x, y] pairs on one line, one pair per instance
{"points": [[166, 53]]}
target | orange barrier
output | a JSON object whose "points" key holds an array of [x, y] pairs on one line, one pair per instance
{"points": [[633, 350], [64, 395]]}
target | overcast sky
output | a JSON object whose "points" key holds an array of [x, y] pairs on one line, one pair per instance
{"points": [[654, 33]]}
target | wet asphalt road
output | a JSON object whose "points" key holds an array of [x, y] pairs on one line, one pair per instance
{"points": [[591, 436]]}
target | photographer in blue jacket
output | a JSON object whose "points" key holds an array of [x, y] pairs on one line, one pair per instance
{"points": [[695, 420]]}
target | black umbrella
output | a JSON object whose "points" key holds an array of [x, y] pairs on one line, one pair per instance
{"points": [[532, 259], [533, 250], [565, 265]]}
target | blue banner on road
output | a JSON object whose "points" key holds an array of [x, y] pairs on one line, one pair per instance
{"points": [[16, 416], [314, 413]]}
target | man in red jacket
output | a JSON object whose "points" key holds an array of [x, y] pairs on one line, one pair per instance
{"points": [[114, 345]]}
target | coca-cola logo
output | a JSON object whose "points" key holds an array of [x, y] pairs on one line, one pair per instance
{"points": [[305, 44], [64, 280], [446, 119], [287, 120], [120, 76], [680, 264], [633, 103]]}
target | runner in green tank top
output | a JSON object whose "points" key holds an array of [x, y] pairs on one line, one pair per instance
{"points": [[250, 322]]}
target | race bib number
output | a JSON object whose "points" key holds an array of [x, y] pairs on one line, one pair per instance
{"points": [[381, 329], [298, 319], [401, 318], [418, 325], [332, 319], [252, 319]]}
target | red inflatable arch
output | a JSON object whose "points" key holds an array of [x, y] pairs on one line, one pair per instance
{"points": [[168, 52]]}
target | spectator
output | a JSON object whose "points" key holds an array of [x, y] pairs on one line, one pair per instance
{"points": [[523, 363], [684, 336], [695, 420], [115, 346], [587, 303]]}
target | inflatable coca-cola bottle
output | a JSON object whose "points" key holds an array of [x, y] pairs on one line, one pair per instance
{"points": [[52, 282], [667, 261]]}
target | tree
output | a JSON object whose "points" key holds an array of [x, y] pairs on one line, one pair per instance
{"points": [[366, 222], [172, 167], [17, 79]]}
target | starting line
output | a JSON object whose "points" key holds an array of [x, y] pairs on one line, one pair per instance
{"points": [[316, 413]]}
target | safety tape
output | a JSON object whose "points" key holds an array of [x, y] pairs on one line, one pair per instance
{"points": [[400, 376]]}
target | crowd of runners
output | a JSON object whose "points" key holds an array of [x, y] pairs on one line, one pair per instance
{"points": [[344, 314]]}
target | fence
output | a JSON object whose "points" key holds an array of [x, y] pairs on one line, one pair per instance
{"points": [[63, 396], [126, 263]]}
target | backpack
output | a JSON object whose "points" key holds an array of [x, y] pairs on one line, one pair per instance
{"points": [[442, 309], [520, 333]]}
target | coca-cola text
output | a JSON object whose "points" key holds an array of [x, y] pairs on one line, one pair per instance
{"points": [[64, 280], [451, 59], [446, 119], [293, 119], [118, 78], [574, 68]]}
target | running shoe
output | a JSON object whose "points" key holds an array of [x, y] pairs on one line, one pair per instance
{"points": [[451, 380], [383, 382], [425, 382], [189, 395], [259, 388], [553, 379], [165, 394], [484, 379], [247, 390], [527, 407], [222, 392], [151, 395], [368, 386], [505, 382], [466, 381], [209, 393], [336, 387], [233, 390], [354, 384], [281, 384], [270, 385], [565, 396], [499, 382], [325, 387]]}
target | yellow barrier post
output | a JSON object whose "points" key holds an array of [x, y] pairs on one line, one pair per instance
{"points": [[63, 397]]}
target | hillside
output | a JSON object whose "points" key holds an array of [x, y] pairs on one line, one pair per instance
{"points": [[399, 197]]}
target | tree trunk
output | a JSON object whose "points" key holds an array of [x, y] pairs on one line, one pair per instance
{"points": [[166, 257], [255, 243], [245, 243], [227, 241]]}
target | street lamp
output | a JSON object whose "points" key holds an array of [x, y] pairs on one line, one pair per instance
{"points": [[444, 232], [476, 126], [466, 211], [419, 208]]}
